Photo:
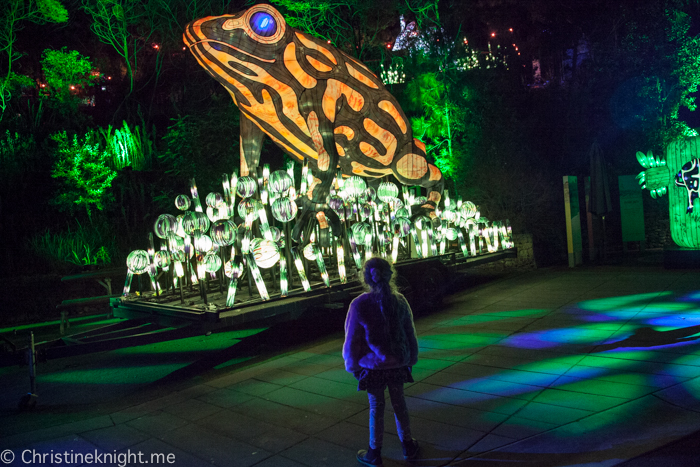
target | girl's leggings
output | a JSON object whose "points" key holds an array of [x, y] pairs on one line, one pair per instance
{"points": [[376, 414]]}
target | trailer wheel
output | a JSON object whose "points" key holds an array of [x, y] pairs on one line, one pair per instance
{"points": [[27, 402]]}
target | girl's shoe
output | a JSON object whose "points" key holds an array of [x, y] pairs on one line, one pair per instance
{"points": [[410, 449], [372, 457]]}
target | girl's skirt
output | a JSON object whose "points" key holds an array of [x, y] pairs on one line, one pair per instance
{"points": [[379, 379]]}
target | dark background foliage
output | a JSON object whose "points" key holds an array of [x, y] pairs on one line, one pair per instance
{"points": [[559, 77]]}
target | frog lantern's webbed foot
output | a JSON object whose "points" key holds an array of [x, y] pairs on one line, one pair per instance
{"points": [[313, 214]]}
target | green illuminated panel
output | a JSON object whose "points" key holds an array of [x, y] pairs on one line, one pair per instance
{"points": [[685, 227]]}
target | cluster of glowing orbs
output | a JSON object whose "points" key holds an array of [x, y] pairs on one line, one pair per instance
{"points": [[223, 232], [182, 202], [354, 186], [451, 233], [265, 252], [387, 192], [161, 259], [310, 252], [176, 242], [275, 233], [402, 212], [401, 226], [449, 215], [203, 243], [137, 261], [249, 207], [165, 225], [246, 186], [365, 211], [232, 269], [284, 209], [468, 210], [212, 262], [215, 200], [362, 232], [178, 255], [279, 182], [423, 222], [193, 221]]}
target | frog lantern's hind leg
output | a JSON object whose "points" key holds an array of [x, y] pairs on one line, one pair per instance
{"points": [[411, 167], [251, 146], [313, 204]]}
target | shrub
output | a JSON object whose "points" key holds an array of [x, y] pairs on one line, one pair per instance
{"points": [[83, 169]]}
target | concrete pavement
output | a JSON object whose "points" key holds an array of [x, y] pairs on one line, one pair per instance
{"points": [[552, 367]]}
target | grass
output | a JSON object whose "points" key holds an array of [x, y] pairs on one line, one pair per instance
{"points": [[77, 246]]}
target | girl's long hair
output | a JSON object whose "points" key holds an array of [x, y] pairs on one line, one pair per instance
{"points": [[379, 275]]}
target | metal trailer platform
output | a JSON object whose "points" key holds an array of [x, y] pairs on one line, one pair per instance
{"points": [[419, 279], [148, 319]]}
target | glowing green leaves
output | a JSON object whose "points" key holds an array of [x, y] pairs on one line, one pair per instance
{"points": [[82, 168]]}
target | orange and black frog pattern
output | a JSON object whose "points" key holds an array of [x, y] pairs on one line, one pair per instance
{"points": [[316, 102]]}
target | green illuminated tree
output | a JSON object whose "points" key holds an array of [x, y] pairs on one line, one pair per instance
{"points": [[82, 167], [63, 69], [440, 121], [125, 25], [13, 15]]}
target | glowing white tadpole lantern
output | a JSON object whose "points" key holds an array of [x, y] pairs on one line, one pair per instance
{"points": [[233, 271], [195, 196], [284, 283], [137, 262], [259, 282], [300, 270], [462, 243], [340, 251], [312, 252]]}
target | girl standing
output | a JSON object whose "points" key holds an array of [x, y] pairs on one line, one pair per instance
{"points": [[380, 348]]}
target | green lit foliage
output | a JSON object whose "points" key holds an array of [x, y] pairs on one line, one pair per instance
{"points": [[440, 121], [16, 153], [13, 14], [125, 25], [78, 246], [63, 69], [210, 136], [82, 167], [128, 148]]}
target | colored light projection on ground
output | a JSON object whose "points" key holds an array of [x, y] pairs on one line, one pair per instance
{"points": [[145, 364], [595, 355], [678, 175]]}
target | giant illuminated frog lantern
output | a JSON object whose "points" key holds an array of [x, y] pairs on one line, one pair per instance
{"points": [[315, 102], [678, 175]]}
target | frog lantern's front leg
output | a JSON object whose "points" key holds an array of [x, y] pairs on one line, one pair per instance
{"points": [[251, 146], [313, 204]]}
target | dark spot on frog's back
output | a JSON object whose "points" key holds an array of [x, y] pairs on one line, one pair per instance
{"points": [[241, 68]]}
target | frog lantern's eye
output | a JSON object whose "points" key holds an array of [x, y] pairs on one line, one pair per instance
{"points": [[263, 24]]}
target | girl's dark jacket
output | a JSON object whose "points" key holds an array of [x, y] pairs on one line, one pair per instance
{"points": [[367, 343]]}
